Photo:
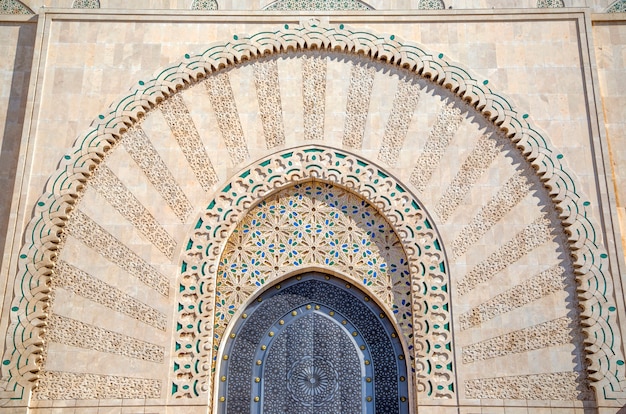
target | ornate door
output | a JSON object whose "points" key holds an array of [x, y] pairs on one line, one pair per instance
{"points": [[311, 345]]}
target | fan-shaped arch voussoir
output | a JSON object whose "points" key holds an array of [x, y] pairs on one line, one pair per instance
{"points": [[42, 237]]}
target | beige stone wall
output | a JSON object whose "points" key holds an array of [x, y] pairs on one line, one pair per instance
{"points": [[18, 40], [609, 36]]}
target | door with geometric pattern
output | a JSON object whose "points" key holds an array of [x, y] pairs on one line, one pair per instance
{"points": [[313, 344]]}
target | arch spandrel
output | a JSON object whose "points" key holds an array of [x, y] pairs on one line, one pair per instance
{"points": [[59, 213]]}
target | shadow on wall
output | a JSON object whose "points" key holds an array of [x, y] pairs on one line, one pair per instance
{"points": [[14, 120]]}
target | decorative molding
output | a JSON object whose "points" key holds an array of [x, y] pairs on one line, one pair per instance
{"points": [[432, 336], [22, 358], [14, 7], [313, 5]]}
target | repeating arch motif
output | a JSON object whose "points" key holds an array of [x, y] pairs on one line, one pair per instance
{"points": [[29, 312], [432, 338]]}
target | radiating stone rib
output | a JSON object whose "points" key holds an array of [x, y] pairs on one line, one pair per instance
{"points": [[552, 333], [53, 385], [535, 234], [550, 386], [404, 104], [508, 197], [120, 197], [270, 105], [439, 138], [358, 105], [314, 96], [79, 334], [94, 236], [225, 109], [540, 285], [472, 168], [184, 131], [83, 284], [140, 148]]}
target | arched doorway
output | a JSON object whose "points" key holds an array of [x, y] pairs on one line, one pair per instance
{"points": [[313, 344]]}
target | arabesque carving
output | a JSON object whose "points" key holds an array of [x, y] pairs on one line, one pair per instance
{"points": [[29, 309]]}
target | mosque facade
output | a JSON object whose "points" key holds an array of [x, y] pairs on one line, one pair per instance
{"points": [[313, 206]]}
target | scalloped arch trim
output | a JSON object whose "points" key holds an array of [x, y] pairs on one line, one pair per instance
{"points": [[38, 255]]}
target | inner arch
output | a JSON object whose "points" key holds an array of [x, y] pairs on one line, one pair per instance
{"points": [[313, 344]]}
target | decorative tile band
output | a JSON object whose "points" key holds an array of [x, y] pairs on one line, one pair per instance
{"points": [[184, 131], [540, 285], [142, 151], [544, 335], [120, 197], [83, 284], [89, 232]]}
